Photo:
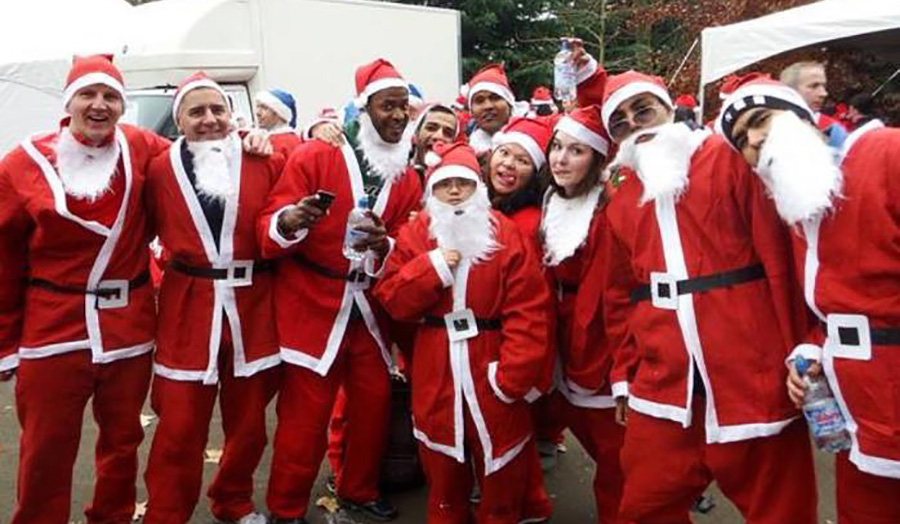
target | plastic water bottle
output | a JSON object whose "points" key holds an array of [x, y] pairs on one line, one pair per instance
{"points": [[826, 422], [565, 78], [358, 217]]}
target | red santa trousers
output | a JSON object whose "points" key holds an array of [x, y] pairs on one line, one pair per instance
{"points": [[337, 431], [667, 467], [51, 394], [305, 405], [602, 439], [537, 505], [175, 468], [863, 498], [450, 484]]}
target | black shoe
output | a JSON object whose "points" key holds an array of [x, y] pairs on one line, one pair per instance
{"points": [[380, 509], [298, 520], [331, 485]]}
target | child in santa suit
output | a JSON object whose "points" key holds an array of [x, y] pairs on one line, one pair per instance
{"points": [[466, 273], [574, 230], [845, 221]]}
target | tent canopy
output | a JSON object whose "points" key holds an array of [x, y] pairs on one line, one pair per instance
{"points": [[873, 25]]}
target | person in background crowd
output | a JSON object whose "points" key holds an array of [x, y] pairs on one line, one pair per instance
{"points": [[216, 333], [808, 79], [686, 110], [860, 110], [696, 262], [77, 313], [573, 232], [437, 124], [342, 341], [491, 102], [542, 103], [276, 113], [837, 211], [469, 274]]}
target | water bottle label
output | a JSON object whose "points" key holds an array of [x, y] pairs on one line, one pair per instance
{"points": [[824, 418]]}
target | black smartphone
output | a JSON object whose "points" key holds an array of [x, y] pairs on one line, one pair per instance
{"points": [[323, 199]]}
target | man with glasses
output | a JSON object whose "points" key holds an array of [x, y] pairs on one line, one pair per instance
{"points": [[701, 308]]}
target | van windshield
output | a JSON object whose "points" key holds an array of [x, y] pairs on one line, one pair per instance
{"points": [[152, 111]]}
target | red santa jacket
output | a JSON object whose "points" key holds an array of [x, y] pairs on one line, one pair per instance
{"points": [[57, 241], [487, 373], [591, 83], [312, 271], [284, 141], [850, 264], [584, 353], [194, 311], [736, 336]]}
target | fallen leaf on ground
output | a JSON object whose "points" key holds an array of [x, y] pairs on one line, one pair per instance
{"points": [[213, 456], [146, 420], [329, 504]]}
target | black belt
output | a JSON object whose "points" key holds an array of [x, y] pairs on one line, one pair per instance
{"points": [[705, 283], [353, 276], [484, 324], [238, 272], [849, 336], [567, 288], [101, 292]]}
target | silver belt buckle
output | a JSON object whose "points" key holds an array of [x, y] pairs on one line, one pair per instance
{"points": [[664, 290], [461, 325], [849, 336], [119, 294], [239, 273]]}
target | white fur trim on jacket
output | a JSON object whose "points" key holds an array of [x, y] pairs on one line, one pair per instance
{"points": [[440, 267]]}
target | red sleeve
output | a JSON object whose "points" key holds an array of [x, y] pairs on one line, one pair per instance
{"points": [[291, 187], [15, 229], [524, 320], [772, 243], [411, 283], [591, 84]]}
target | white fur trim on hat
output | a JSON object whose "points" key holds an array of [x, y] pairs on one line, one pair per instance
{"points": [[277, 106], [376, 86], [782, 92], [515, 137], [579, 132], [491, 87], [198, 84], [89, 80], [452, 171], [629, 90]]}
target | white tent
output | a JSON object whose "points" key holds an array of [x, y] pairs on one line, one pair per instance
{"points": [[864, 24], [37, 41]]}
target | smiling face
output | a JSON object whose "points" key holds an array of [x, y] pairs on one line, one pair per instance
{"points": [[511, 168], [570, 162], [454, 190], [203, 115], [95, 110], [490, 111], [389, 111]]}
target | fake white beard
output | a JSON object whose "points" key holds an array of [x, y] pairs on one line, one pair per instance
{"points": [[387, 160], [798, 169], [212, 167], [85, 171], [469, 228], [663, 162], [566, 224]]}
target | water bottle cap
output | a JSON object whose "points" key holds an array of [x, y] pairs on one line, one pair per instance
{"points": [[565, 44], [801, 365]]}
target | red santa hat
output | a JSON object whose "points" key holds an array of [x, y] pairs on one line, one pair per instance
{"points": [[621, 87], [491, 78], [460, 103], [533, 134], [92, 70], [195, 81], [759, 90], [374, 77], [541, 96], [456, 160], [583, 124], [687, 101]]}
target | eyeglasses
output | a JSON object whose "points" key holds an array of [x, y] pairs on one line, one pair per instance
{"points": [[622, 126]]}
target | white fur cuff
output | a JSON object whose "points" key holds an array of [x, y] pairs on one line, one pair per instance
{"points": [[492, 378], [9, 362], [441, 268], [276, 236], [620, 389]]}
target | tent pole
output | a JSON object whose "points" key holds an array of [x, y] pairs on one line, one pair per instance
{"points": [[886, 82], [684, 60]]}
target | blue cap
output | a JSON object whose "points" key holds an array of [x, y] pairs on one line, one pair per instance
{"points": [[281, 102]]}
